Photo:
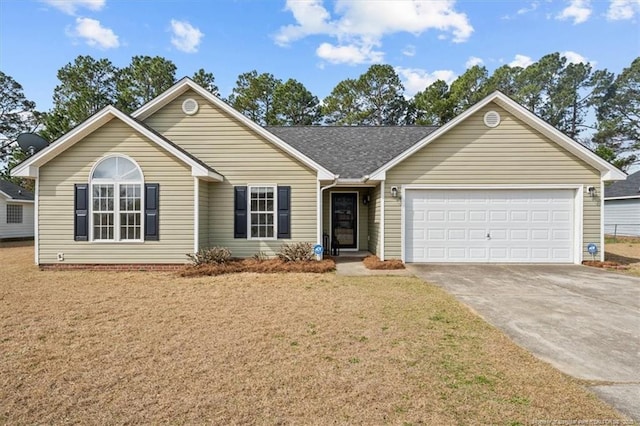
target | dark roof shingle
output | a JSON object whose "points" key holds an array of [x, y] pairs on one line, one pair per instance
{"points": [[624, 188], [15, 192], [351, 152]]}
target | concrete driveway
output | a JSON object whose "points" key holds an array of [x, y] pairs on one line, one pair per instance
{"points": [[583, 321]]}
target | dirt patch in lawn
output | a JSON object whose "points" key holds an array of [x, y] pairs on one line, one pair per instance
{"points": [[624, 251], [374, 262], [134, 347]]}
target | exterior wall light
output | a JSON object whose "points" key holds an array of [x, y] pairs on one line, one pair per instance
{"points": [[366, 199], [592, 191], [394, 191]]}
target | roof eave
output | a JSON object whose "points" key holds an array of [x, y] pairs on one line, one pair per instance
{"points": [[608, 172], [185, 84]]}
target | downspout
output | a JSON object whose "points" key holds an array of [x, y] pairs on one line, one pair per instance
{"points": [[319, 203]]}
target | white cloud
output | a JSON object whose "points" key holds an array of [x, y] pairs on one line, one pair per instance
{"points": [[521, 61], [416, 80], [409, 50], [363, 23], [578, 10], [576, 58], [94, 34], [473, 61], [533, 6], [351, 54], [186, 37], [623, 9], [70, 6]]}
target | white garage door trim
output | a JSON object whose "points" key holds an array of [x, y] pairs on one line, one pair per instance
{"points": [[577, 219]]}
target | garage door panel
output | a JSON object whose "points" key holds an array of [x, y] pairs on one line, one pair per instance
{"points": [[489, 226]]}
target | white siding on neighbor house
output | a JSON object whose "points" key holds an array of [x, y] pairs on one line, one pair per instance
{"points": [[243, 158], [622, 217], [510, 154], [16, 230], [73, 166]]}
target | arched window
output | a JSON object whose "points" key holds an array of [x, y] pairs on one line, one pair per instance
{"points": [[116, 200]]}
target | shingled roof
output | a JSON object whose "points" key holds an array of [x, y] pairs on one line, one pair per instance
{"points": [[351, 152], [15, 192], [624, 188]]}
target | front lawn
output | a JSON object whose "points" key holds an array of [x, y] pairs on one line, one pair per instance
{"points": [[101, 347]]}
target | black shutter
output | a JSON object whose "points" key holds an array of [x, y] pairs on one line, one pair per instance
{"points": [[284, 212], [151, 210], [81, 208], [240, 212]]}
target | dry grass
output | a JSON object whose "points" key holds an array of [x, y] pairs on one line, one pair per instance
{"points": [[374, 262], [90, 347], [624, 251], [269, 266]]}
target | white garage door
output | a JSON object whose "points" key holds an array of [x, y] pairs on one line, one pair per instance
{"points": [[527, 226]]}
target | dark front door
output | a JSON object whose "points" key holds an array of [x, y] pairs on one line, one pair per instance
{"points": [[344, 222]]}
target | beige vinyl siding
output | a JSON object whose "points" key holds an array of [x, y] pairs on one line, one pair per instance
{"points": [[56, 214], [16, 230], [472, 154], [363, 214], [374, 220], [203, 214], [243, 158]]}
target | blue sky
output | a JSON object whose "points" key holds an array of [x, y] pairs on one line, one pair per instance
{"points": [[317, 42]]}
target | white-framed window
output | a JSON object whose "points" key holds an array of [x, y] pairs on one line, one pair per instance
{"points": [[116, 200], [14, 213], [262, 212]]}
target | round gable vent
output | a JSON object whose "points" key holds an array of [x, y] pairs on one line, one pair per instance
{"points": [[190, 106], [491, 119]]}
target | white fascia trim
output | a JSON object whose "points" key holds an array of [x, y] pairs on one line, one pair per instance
{"points": [[14, 201], [608, 171], [628, 197], [497, 186], [186, 83], [28, 168]]}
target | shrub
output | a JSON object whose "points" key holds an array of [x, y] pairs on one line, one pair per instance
{"points": [[210, 256], [260, 256], [296, 252]]}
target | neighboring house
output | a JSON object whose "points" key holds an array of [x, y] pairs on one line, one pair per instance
{"points": [[622, 207], [186, 171], [16, 212]]}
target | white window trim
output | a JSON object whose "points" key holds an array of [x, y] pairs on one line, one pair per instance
{"points": [[21, 214], [116, 205], [275, 211]]}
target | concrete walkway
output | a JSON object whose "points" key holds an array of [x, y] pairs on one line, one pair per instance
{"points": [[583, 321]]}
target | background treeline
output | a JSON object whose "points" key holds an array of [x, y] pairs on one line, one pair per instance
{"points": [[596, 107]]}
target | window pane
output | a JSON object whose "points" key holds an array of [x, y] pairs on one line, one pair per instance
{"points": [[106, 169]]}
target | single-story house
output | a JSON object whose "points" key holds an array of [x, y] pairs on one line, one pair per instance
{"points": [[187, 171], [622, 207], [16, 212]]}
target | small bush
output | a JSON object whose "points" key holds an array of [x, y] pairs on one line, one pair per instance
{"points": [[260, 257], [210, 256], [296, 252]]}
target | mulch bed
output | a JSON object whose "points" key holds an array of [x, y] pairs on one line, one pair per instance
{"points": [[260, 266], [605, 265], [374, 262]]}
